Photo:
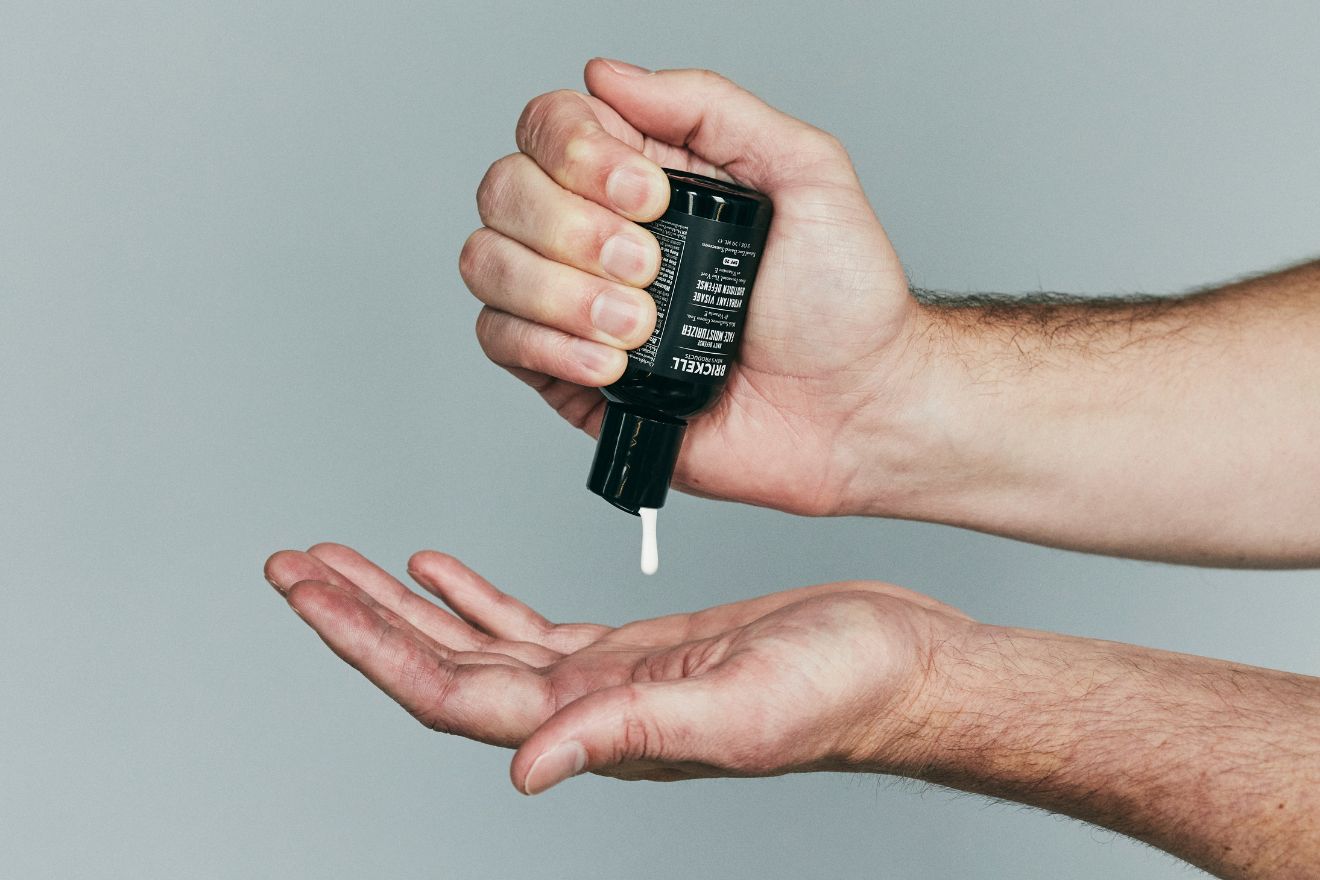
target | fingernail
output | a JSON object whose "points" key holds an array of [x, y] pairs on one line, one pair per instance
{"points": [[625, 258], [624, 68], [274, 584], [595, 356], [553, 767], [629, 189], [618, 314]]}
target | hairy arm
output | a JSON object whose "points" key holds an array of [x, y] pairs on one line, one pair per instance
{"points": [[1181, 429], [1214, 762], [1184, 429]]}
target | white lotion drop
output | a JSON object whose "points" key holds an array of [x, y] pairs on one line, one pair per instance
{"points": [[650, 550]]}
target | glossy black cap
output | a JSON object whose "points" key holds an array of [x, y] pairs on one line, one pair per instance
{"points": [[702, 196], [635, 457]]}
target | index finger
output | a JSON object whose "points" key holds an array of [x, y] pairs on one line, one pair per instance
{"points": [[562, 133]]}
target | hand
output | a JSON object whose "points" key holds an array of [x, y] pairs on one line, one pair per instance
{"points": [[559, 264], [825, 677], [1212, 761]]}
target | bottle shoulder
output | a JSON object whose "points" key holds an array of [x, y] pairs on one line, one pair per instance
{"points": [[676, 398]]}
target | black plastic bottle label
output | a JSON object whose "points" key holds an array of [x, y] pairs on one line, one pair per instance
{"points": [[701, 292]]}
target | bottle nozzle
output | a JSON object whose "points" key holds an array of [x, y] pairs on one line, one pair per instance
{"points": [[635, 456]]}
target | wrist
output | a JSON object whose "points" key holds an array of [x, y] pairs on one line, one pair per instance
{"points": [[976, 691], [1209, 760], [977, 687], [915, 447], [916, 730]]}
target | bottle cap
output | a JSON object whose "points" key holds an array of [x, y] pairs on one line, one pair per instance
{"points": [[702, 196], [635, 457]]}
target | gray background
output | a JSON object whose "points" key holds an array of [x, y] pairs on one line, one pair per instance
{"points": [[232, 322]]}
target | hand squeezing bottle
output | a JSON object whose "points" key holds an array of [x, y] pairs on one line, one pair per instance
{"points": [[711, 238]]}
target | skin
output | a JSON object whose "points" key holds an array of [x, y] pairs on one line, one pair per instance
{"points": [[808, 364], [1215, 762], [1171, 429], [1168, 429]]}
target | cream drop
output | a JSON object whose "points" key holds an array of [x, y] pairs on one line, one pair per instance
{"points": [[650, 549]]}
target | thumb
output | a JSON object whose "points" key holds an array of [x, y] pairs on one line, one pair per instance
{"points": [[722, 123], [648, 721]]}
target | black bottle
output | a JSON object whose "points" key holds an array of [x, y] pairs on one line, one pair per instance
{"points": [[711, 239]]}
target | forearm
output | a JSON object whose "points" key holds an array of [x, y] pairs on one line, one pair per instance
{"points": [[1214, 762], [1183, 429]]}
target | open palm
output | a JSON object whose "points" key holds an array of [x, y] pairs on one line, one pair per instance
{"points": [[791, 681]]}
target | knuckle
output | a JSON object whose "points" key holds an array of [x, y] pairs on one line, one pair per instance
{"points": [[538, 117], [827, 143], [472, 256], [635, 742], [817, 151], [495, 184], [565, 138], [588, 158], [532, 346], [482, 326], [638, 738], [511, 342], [488, 330], [531, 120], [504, 602], [819, 147], [439, 683], [480, 262], [709, 79], [580, 142]]}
